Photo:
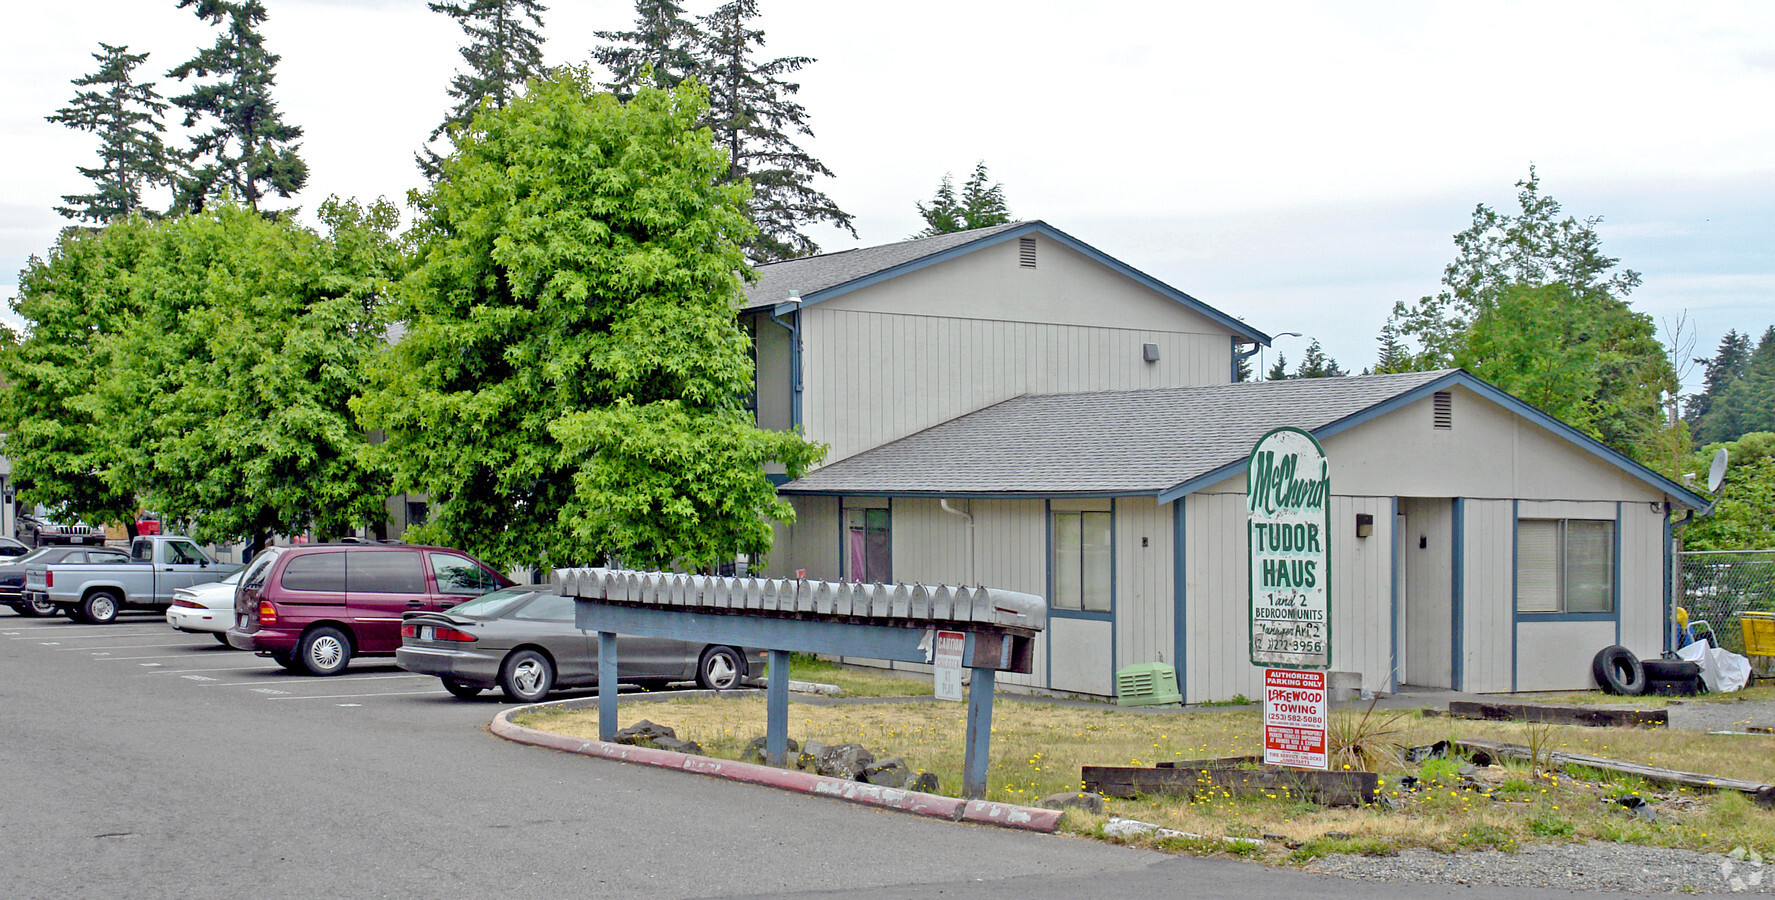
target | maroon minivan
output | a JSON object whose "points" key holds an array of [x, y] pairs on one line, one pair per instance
{"points": [[315, 607]]}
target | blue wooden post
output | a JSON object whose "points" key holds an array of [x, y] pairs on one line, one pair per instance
{"points": [[606, 685], [776, 708], [973, 775]]}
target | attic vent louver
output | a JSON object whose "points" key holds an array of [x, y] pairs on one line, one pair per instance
{"points": [[1026, 252], [1443, 410]]}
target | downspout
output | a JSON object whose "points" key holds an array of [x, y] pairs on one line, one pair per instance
{"points": [[1240, 356], [793, 304], [944, 503]]}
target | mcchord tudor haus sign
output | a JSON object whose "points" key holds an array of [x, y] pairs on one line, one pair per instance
{"points": [[1288, 499]]}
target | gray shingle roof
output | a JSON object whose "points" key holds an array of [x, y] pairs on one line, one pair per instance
{"points": [[1102, 443], [811, 274]]}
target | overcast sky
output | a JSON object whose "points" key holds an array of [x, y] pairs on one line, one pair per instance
{"points": [[1299, 165]]}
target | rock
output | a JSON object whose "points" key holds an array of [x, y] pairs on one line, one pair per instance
{"points": [[644, 731], [810, 755], [844, 761], [1438, 750], [1764, 797], [754, 752], [1085, 800], [890, 772], [925, 783], [678, 746]]}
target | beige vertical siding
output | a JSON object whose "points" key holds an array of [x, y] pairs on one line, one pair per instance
{"points": [[1488, 601], [871, 378], [811, 543], [1426, 592], [1362, 591], [1555, 656], [1218, 599], [1144, 606], [1642, 578]]}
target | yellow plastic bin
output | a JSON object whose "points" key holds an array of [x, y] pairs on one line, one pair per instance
{"points": [[1759, 641]]}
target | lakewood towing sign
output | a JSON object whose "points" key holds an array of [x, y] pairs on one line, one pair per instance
{"points": [[1288, 501]]}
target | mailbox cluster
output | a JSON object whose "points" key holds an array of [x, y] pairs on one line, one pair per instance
{"points": [[883, 603]]}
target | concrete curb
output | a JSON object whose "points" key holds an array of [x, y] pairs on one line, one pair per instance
{"points": [[982, 812]]}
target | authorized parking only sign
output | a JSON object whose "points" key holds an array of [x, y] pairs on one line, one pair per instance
{"points": [[1294, 719]]}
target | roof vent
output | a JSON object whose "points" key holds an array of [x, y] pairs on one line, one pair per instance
{"points": [[1026, 252], [1443, 410]]}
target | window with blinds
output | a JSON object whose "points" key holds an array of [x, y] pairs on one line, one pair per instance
{"points": [[1081, 565], [1565, 566]]}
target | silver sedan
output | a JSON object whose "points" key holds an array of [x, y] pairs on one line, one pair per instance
{"points": [[523, 640]]}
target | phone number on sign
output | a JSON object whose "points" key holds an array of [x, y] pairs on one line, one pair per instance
{"points": [[1294, 645]]}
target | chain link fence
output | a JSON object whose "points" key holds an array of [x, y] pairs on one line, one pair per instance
{"points": [[1719, 586]]}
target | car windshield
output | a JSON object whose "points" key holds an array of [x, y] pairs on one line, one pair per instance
{"points": [[494, 605], [36, 554]]}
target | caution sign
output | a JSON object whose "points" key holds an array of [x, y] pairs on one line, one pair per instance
{"points": [[947, 671], [1294, 719], [1288, 504]]}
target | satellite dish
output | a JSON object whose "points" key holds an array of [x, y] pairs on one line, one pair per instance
{"points": [[1717, 474]]}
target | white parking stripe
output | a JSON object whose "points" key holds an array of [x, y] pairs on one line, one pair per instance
{"points": [[296, 679], [168, 656], [348, 696], [128, 646]]}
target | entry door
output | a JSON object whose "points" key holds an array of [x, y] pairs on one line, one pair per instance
{"points": [[1426, 591]]}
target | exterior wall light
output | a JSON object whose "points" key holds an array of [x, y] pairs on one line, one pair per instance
{"points": [[1364, 525]]}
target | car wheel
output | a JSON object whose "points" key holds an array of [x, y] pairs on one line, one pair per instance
{"points": [[288, 661], [221, 637], [99, 608], [526, 676], [719, 668], [463, 691], [324, 651], [37, 609]]}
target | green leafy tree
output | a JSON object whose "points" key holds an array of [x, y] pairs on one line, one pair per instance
{"points": [[1744, 518], [572, 381], [126, 116], [755, 121], [1746, 403], [661, 50], [502, 53], [248, 148], [980, 205], [254, 336], [62, 446], [1502, 261], [1315, 364]]}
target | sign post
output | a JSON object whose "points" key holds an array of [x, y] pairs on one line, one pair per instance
{"points": [[1288, 540]]}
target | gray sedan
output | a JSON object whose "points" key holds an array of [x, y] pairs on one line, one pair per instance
{"points": [[523, 640]]}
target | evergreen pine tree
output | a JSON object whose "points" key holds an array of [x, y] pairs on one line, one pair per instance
{"points": [[126, 117], [249, 148], [502, 53], [1727, 365], [663, 41], [754, 119], [1747, 403], [1394, 357], [1279, 371], [980, 205], [1317, 365]]}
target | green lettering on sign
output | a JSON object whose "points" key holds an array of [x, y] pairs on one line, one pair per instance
{"points": [[1288, 539]]}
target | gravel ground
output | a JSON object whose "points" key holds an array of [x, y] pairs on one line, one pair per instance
{"points": [[1593, 866]]}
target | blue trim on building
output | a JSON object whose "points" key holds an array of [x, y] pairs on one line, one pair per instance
{"points": [[1066, 240], [1087, 614], [795, 383], [1515, 605], [1114, 589], [1458, 597], [1048, 566], [1464, 379], [1180, 596], [1534, 618], [777, 479]]}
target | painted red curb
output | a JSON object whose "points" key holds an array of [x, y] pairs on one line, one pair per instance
{"points": [[936, 806]]}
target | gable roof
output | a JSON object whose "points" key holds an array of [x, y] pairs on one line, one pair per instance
{"points": [[830, 275], [1164, 443]]}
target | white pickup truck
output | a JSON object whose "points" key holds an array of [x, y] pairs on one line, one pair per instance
{"points": [[97, 593]]}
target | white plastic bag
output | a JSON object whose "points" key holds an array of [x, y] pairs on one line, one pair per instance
{"points": [[1698, 652], [1734, 670]]}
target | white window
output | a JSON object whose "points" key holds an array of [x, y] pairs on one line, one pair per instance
{"points": [[1081, 565], [1565, 566], [866, 546]]}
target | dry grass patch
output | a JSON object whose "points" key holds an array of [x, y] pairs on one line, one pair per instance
{"points": [[857, 682], [1761, 691], [1037, 749]]}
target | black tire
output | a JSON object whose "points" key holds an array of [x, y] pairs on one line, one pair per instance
{"points": [[720, 668], [1618, 671], [99, 608], [288, 661], [324, 651], [460, 690], [221, 638], [526, 676], [1670, 669], [37, 609]]}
